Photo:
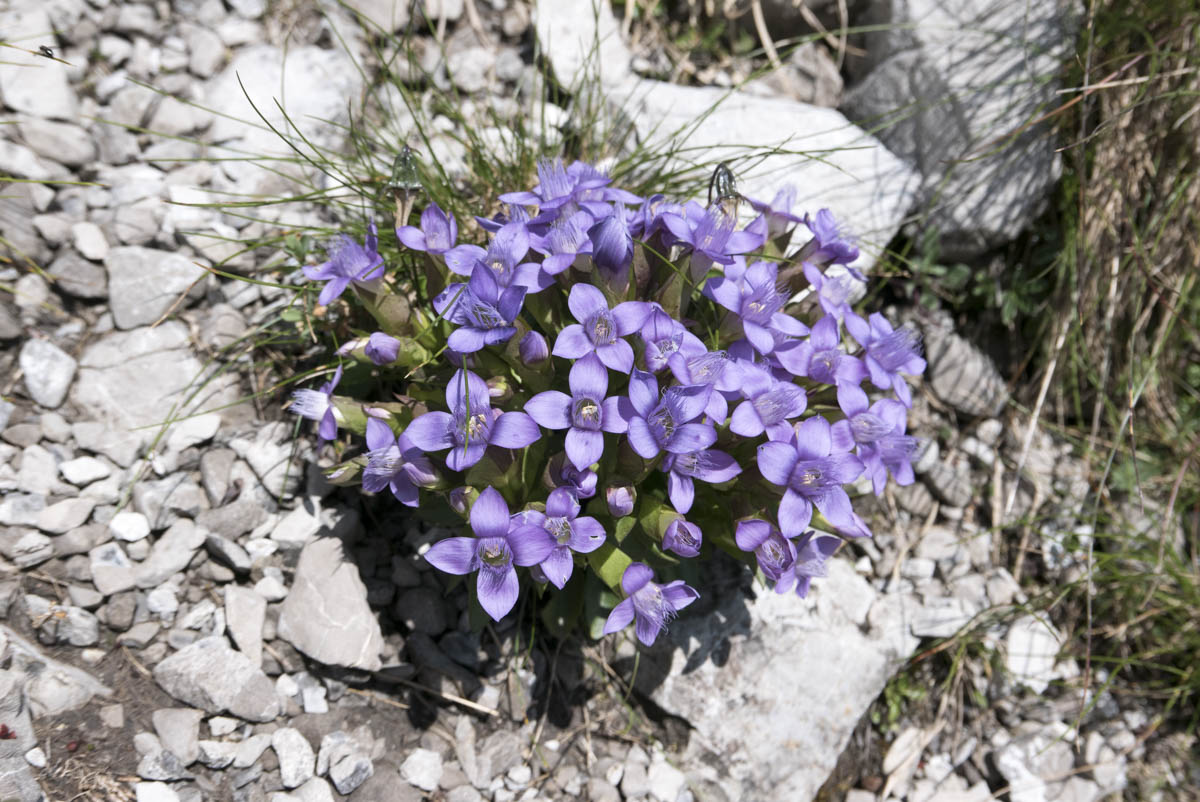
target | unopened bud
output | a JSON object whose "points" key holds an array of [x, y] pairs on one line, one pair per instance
{"points": [[621, 499], [683, 538], [499, 389], [382, 349], [461, 499], [534, 349]]}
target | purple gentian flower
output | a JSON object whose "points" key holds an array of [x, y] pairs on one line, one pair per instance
{"points": [[382, 349], [561, 473], [707, 465], [774, 552], [571, 533], [585, 413], [877, 434], [557, 186], [437, 235], [612, 242], [471, 425], [348, 263], [754, 296], [600, 329], [890, 352], [833, 289], [495, 549], [778, 213], [648, 219], [483, 312], [508, 247], [565, 242], [768, 406], [656, 424], [709, 233], [394, 462], [829, 245], [318, 405], [664, 336], [534, 349], [812, 552], [719, 369], [651, 604], [683, 538], [821, 357], [812, 473]]}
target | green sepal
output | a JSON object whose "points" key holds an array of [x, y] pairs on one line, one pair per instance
{"points": [[390, 310], [349, 414], [346, 474]]}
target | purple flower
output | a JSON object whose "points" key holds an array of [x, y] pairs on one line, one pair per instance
{"points": [[348, 262], [612, 242], [664, 336], [394, 462], [382, 349], [651, 604], [561, 473], [620, 499], [318, 405], [600, 329], [833, 289], [565, 242], [753, 295], [709, 466], [812, 552], [495, 549], [812, 473], [484, 313], [877, 434], [890, 352], [534, 349], [570, 533], [768, 406], [471, 425], [437, 235], [508, 247], [718, 369], [648, 219], [774, 552], [709, 233], [656, 424], [828, 245], [778, 213], [821, 357], [585, 413], [683, 538], [557, 186]]}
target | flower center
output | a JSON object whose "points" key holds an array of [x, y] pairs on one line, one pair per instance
{"points": [[586, 414], [484, 316], [475, 427], [867, 427], [662, 423], [709, 367], [894, 350], [560, 529], [495, 552], [778, 403], [601, 328]]}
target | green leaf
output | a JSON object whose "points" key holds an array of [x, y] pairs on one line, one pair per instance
{"points": [[609, 563], [623, 527]]}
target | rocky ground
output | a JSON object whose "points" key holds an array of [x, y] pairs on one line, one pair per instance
{"points": [[191, 612]]}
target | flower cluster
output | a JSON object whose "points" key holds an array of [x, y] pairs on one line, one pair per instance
{"points": [[659, 352]]}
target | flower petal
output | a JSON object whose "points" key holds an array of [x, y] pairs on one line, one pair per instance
{"points": [[587, 535], [620, 617], [562, 503], [636, 576], [681, 491], [795, 514], [691, 437], [551, 409], [631, 316], [776, 461], [514, 430], [642, 440], [558, 566], [459, 459], [610, 416], [745, 420], [489, 514], [379, 434], [585, 300], [584, 447], [643, 392], [617, 355], [813, 438], [572, 342], [588, 378], [454, 555], [431, 431], [530, 544], [498, 589]]}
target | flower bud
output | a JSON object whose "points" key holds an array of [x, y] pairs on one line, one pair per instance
{"points": [[382, 349], [621, 499], [683, 538], [461, 499], [534, 349], [499, 389]]}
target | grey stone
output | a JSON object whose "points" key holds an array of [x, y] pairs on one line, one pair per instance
{"points": [[78, 277], [165, 501], [216, 466], [228, 553], [326, 615], [10, 326], [139, 636], [155, 792], [218, 754], [65, 515], [20, 202], [297, 528], [16, 781], [21, 509], [101, 439], [422, 768], [178, 729], [422, 610], [245, 612], [389, 16], [350, 771], [270, 456], [1035, 765], [963, 376], [52, 687], [158, 763], [63, 142], [942, 617], [89, 240], [950, 90], [314, 790], [144, 283], [129, 526], [83, 470], [210, 675], [39, 471], [84, 598], [25, 547], [1031, 652], [39, 86], [21, 162], [470, 68], [296, 759], [118, 613], [48, 372], [951, 483], [171, 553], [251, 750], [206, 51]]}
